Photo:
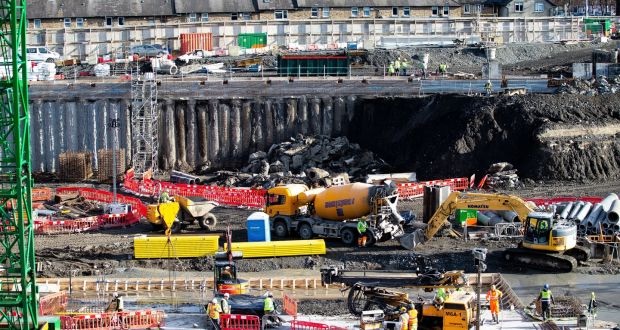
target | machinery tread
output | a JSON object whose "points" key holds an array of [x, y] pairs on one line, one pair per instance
{"points": [[546, 261]]}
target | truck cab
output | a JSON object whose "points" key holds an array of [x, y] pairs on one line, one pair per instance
{"points": [[457, 312], [283, 200]]}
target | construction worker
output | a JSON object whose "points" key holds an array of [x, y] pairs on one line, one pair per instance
{"points": [[213, 311], [488, 87], [225, 303], [397, 66], [362, 226], [226, 274], [403, 318], [117, 304], [391, 69], [443, 69], [546, 299], [268, 305], [164, 196], [592, 305], [440, 298], [404, 66], [493, 297], [413, 317]]}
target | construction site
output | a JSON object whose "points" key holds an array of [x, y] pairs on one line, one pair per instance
{"points": [[394, 185]]}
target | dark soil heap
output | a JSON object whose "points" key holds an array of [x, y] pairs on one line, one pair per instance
{"points": [[550, 137]]}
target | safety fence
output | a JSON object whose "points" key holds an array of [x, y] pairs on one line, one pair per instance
{"points": [[307, 325], [563, 199], [41, 194], [239, 322], [289, 305], [47, 226], [51, 304], [105, 196], [120, 320], [255, 198]]}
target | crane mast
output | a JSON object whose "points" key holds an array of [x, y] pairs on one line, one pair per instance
{"points": [[18, 303]]}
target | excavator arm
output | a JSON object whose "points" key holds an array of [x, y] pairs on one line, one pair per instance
{"points": [[478, 201]]}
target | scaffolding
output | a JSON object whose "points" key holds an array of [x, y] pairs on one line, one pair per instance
{"points": [[144, 122]]}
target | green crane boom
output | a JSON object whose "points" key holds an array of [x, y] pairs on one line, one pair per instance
{"points": [[18, 290]]}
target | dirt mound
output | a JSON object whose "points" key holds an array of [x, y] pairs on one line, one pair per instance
{"points": [[562, 137]]}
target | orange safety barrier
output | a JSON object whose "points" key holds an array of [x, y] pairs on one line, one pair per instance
{"points": [[41, 194], [289, 305], [107, 221], [306, 325], [122, 320], [51, 304], [563, 199], [415, 190], [49, 226], [105, 196], [239, 322]]}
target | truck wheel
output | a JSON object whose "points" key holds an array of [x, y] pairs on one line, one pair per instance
{"points": [[305, 231], [280, 229], [158, 226], [348, 236], [207, 222]]}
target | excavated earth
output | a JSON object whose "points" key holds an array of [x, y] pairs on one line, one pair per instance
{"points": [[560, 144]]}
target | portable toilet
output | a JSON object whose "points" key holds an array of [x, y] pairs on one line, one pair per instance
{"points": [[258, 227]]}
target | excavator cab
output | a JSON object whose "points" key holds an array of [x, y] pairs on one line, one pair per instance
{"points": [[544, 233], [537, 229]]}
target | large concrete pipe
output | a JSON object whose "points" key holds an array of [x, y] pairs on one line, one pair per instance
{"points": [[608, 201], [613, 215], [328, 116], [585, 209], [566, 210], [594, 214], [169, 136], [509, 216], [180, 142], [576, 208], [483, 219], [214, 132], [224, 118]]}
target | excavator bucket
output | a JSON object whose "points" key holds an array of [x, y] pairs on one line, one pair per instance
{"points": [[411, 240]]}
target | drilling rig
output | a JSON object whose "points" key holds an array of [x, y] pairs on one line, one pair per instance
{"points": [[18, 290]]}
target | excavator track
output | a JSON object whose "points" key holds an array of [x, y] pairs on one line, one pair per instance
{"points": [[579, 252], [540, 260]]}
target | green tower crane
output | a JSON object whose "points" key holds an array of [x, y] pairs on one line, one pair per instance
{"points": [[18, 290]]}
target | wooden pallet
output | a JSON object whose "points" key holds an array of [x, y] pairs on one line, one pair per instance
{"points": [[75, 166], [105, 161]]}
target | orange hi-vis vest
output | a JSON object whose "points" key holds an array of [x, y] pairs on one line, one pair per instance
{"points": [[493, 295], [214, 311]]}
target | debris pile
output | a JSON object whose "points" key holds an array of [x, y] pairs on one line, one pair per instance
{"points": [[313, 160], [502, 175], [600, 85], [565, 306]]}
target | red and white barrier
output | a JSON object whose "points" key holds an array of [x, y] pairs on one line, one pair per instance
{"points": [[289, 305], [51, 304], [49, 226], [239, 322]]}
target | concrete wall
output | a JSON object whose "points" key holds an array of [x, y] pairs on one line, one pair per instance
{"points": [[79, 43]]}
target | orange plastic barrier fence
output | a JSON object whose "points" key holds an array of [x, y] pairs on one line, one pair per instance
{"points": [[53, 303], [255, 198], [306, 325], [105, 196], [289, 305], [239, 322], [562, 199], [41, 194], [49, 226], [122, 320]]}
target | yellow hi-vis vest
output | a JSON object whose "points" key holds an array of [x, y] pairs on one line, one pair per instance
{"points": [[268, 305], [214, 311], [413, 317], [545, 295]]}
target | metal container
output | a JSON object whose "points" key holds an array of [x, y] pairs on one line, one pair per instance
{"points": [[193, 41], [252, 40]]}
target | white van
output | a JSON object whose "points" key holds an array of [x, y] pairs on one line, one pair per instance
{"points": [[41, 54]]}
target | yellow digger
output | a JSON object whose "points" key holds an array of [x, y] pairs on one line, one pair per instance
{"points": [[186, 210], [548, 243]]}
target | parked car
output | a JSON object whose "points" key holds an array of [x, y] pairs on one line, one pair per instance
{"points": [[149, 50], [41, 54]]}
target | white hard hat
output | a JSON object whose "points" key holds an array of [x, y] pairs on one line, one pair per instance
{"points": [[214, 300], [226, 294], [115, 294]]}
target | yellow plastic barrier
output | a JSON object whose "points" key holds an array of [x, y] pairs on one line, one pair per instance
{"points": [[189, 246], [280, 248]]}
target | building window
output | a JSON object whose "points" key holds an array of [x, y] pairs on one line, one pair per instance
{"points": [[192, 17], [67, 23], [79, 22], [121, 21], [245, 16], [234, 16], [478, 8], [540, 7], [394, 11], [325, 11], [466, 9], [366, 11], [314, 12], [108, 21], [354, 11], [37, 23], [406, 11], [434, 11], [204, 17], [281, 14], [446, 11], [519, 7]]}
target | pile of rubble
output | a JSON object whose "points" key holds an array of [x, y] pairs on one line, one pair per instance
{"points": [[502, 175], [600, 85], [313, 160]]}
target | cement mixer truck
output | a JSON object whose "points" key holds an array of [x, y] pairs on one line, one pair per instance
{"points": [[334, 211]]}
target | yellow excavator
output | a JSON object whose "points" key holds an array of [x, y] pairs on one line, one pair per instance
{"points": [[548, 243]]}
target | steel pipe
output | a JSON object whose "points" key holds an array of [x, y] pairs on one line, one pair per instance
{"points": [[614, 212], [566, 210], [576, 208], [585, 209]]}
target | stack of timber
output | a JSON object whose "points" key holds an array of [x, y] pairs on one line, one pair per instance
{"points": [[75, 166]]}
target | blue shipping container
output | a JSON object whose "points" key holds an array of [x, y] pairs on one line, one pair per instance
{"points": [[258, 227]]}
